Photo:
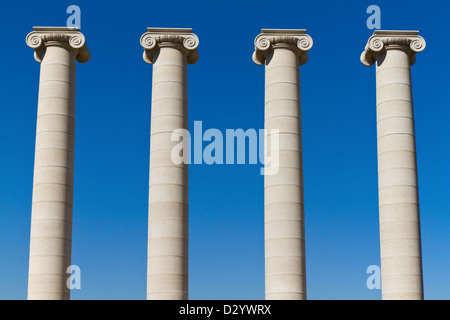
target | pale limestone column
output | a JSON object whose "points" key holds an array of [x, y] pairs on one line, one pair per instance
{"points": [[169, 50], [400, 244], [282, 51], [57, 49]]}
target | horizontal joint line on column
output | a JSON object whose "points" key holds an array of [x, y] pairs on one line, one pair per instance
{"points": [[415, 239], [395, 203], [169, 98], [401, 274], [50, 255], [165, 274], [284, 167], [57, 80], [393, 117], [166, 292], [385, 294], [301, 204], [58, 64], [51, 237], [55, 97], [392, 100], [282, 116], [394, 134], [419, 255], [54, 148], [285, 292], [281, 99], [44, 98], [297, 134], [184, 242], [65, 296], [55, 114], [281, 132], [283, 184], [399, 221], [169, 164], [160, 132], [280, 202], [397, 150], [46, 274], [168, 184], [181, 166], [401, 256], [169, 65], [284, 220], [47, 201], [281, 66], [166, 219], [389, 84], [57, 183], [159, 167], [399, 185], [390, 240], [277, 185], [397, 67], [400, 238], [284, 273], [57, 166], [300, 154], [169, 81], [395, 168], [52, 218], [171, 201], [280, 135], [169, 115], [159, 149], [281, 82], [168, 255], [55, 131], [381, 153], [283, 238]]}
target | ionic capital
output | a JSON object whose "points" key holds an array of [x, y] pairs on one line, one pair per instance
{"points": [[382, 40], [154, 38], [46, 36], [269, 39]]}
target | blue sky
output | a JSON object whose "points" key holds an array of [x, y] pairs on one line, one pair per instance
{"points": [[226, 91]]}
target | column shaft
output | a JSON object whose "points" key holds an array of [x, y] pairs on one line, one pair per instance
{"points": [[168, 193], [400, 244], [51, 224], [284, 213]]}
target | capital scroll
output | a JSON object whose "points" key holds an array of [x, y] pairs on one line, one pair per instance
{"points": [[156, 37], [270, 38], [382, 40], [44, 36]]}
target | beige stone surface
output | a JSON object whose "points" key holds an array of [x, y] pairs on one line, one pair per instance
{"points": [[57, 49], [169, 50], [400, 242], [282, 51]]}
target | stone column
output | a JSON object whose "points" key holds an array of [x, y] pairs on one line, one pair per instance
{"points": [[400, 244], [169, 50], [57, 49], [282, 51]]}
